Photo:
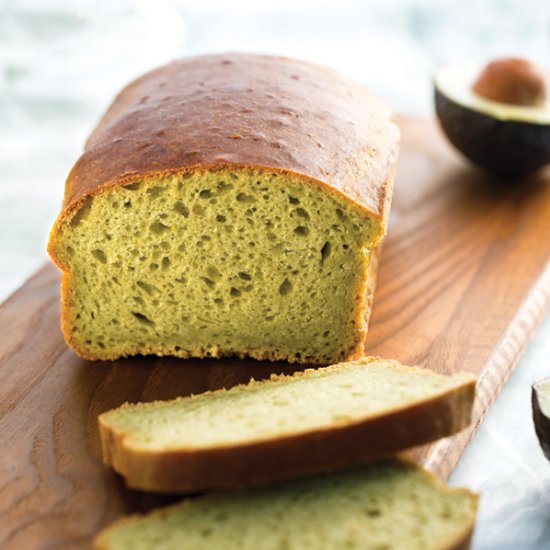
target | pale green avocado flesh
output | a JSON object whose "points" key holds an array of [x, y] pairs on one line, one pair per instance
{"points": [[217, 263]]}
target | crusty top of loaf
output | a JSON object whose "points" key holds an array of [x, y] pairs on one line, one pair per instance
{"points": [[244, 110]]}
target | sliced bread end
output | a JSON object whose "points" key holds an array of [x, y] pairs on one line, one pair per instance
{"points": [[386, 505]]}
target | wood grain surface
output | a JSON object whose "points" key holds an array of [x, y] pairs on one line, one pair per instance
{"points": [[464, 282]]}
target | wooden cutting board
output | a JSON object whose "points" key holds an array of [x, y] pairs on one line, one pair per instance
{"points": [[464, 282]]}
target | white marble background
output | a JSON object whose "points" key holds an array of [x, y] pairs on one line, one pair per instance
{"points": [[61, 62]]}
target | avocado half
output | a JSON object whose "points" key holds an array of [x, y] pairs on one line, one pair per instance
{"points": [[540, 398], [508, 140]]}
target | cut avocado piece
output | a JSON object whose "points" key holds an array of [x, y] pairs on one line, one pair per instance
{"points": [[508, 139], [540, 398]]}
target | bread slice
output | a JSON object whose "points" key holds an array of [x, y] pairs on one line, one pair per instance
{"points": [[314, 421], [227, 205], [389, 505]]}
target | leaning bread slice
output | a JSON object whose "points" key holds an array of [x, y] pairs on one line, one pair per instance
{"points": [[387, 505], [311, 422]]}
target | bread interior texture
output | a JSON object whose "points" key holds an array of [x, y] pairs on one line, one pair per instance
{"points": [[218, 262], [384, 506]]}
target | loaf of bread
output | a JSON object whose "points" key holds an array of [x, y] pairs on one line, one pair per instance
{"points": [[227, 205], [314, 421], [387, 505]]}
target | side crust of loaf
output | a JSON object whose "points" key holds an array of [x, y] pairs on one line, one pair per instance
{"points": [[193, 470]]}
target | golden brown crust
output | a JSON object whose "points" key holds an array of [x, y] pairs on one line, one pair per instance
{"points": [[244, 110], [241, 111], [193, 470]]}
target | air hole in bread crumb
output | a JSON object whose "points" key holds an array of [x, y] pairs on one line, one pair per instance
{"points": [[166, 262], [285, 288], [325, 251], [220, 218], [180, 208], [158, 227], [341, 215], [143, 318], [224, 186], [235, 292], [99, 255], [293, 200], [243, 197], [205, 194], [209, 282], [133, 186], [155, 191], [213, 273], [245, 276], [82, 212], [150, 289], [302, 213], [301, 230]]}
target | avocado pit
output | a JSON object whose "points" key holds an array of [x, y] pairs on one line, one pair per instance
{"points": [[514, 81]]}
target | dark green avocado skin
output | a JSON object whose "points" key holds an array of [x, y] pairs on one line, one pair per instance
{"points": [[540, 417], [504, 147]]}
